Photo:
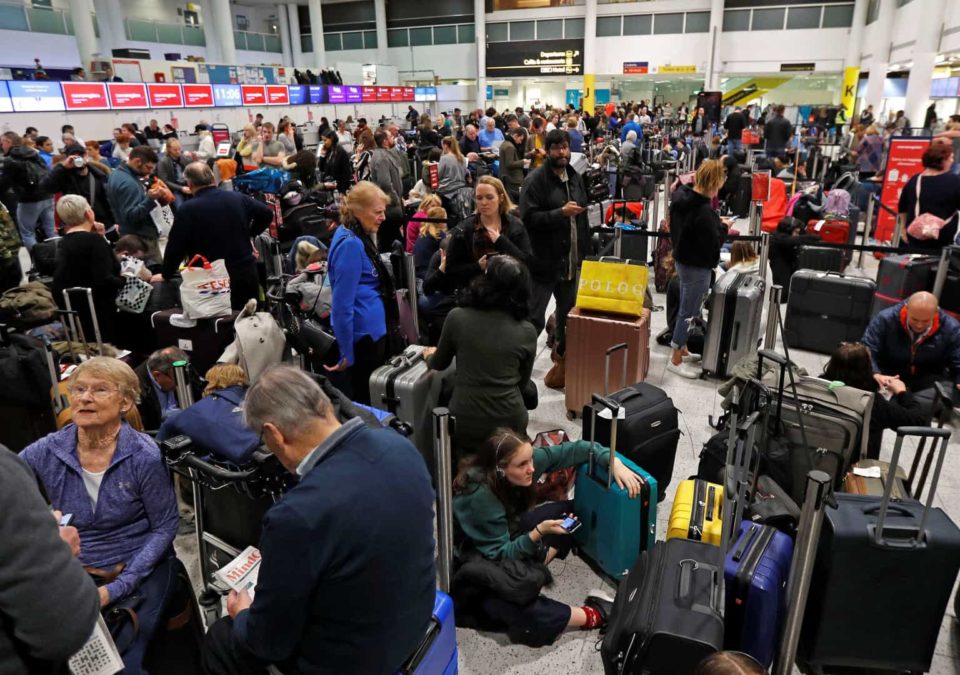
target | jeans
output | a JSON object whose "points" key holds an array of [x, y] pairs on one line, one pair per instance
{"points": [[565, 293], [734, 145], [694, 284], [32, 214]]}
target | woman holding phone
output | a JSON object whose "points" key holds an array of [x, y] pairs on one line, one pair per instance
{"points": [[494, 497]]}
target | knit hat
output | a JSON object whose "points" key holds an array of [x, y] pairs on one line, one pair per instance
{"points": [[74, 149]]}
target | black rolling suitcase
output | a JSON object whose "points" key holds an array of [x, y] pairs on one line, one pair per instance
{"points": [[667, 614], [649, 433], [900, 276], [883, 576], [821, 259], [826, 309]]}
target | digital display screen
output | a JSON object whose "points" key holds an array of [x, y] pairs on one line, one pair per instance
{"points": [[317, 93], [369, 94], [531, 58], [253, 94], [198, 95], [85, 96], [338, 93], [278, 94], [6, 105], [298, 94], [409, 94], [165, 95], [425, 94], [127, 95], [227, 95], [354, 94]]}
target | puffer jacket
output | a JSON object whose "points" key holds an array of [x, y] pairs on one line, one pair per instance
{"points": [[892, 352], [695, 229], [24, 171]]}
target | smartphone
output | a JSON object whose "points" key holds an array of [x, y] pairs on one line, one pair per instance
{"points": [[571, 524], [66, 519]]}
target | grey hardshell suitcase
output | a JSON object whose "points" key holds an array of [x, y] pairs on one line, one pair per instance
{"points": [[406, 387], [736, 307]]}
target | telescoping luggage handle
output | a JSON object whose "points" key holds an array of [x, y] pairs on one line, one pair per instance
{"points": [[895, 538], [616, 412], [606, 366], [74, 322], [442, 423]]}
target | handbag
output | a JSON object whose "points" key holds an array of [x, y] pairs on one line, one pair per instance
{"points": [[134, 295], [205, 291], [612, 285], [924, 225], [162, 216], [554, 486]]}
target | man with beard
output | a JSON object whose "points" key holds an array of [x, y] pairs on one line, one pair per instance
{"points": [[553, 206]]}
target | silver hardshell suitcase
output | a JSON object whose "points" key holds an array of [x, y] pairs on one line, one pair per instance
{"points": [[733, 330]]}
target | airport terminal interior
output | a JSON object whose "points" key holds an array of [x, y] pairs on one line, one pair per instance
{"points": [[287, 288]]}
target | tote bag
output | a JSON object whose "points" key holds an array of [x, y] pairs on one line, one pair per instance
{"points": [[205, 291], [612, 285]]}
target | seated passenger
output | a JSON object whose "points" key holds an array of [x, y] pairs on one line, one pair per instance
{"points": [[114, 482], [428, 242], [494, 507], [916, 342], [158, 389], [215, 423], [850, 364], [347, 580], [491, 373], [414, 226], [729, 663]]}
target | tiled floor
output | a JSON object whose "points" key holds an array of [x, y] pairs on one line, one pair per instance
{"points": [[575, 653]]}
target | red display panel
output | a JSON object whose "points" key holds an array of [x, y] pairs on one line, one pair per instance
{"points": [[278, 94], [85, 95], [904, 160], [198, 95], [127, 95], [396, 94], [383, 94], [369, 94], [253, 94], [165, 95], [408, 94]]}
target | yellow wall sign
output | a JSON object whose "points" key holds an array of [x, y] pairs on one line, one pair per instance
{"points": [[848, 96], [677, 69]]}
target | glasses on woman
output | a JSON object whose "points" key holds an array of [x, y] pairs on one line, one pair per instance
{"points": [[98, 392]]}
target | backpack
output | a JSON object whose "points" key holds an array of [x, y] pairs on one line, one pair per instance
{"points": [[9, 236], [31, 303], [33, 172], [837, 202]]}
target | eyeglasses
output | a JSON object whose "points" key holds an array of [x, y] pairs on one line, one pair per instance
{"points": [[79, 391]]}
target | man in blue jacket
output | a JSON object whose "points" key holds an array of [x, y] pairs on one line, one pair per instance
{"points": [[631, 125], [131, 201], [916, 342], [347, 579]]}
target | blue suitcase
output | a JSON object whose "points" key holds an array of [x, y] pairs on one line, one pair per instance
{"points": [[755, 574], [437, 653], [615, 529]]}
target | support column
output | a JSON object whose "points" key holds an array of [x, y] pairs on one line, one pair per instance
{"points": [[851, 64], [380, 10], [590, 57], [316, 32], [224, 24], [924, 59], [83, 31], [283, 22], [113, 34], [883, 34], [712, 79], [480, 30], [296, 50], [211, 36]]}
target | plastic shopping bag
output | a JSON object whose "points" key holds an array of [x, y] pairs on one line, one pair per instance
{"points": [[205, 291]]}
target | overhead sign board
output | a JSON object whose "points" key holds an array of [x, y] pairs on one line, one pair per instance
{"points": [[317, 93], [253, 94], [198, 95], [227, 95], [6, 104], [298, 94], [677, 70], [636, 67], [278, 94], [127, 95], [162, 95], [85, 96], [35, 96], [532, 58], [797, 67]]}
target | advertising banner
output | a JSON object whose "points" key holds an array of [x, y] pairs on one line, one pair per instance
{"points": [[85, 96], [127, 95], [903, 162], [198, 95], [165, 95]]}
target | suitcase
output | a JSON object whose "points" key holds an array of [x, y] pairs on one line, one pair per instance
{"points": [[826, 309], [437, 653], [733, 329], [870, 476], [900, 276], [739, 202], [589, 338], [831, 230], [771, 505], [664, 249], [882, 577], [821, 259], [407, 388], [755, 574], [204, 342], [615, 529], [649, 433], [697, 512], [667, 614]]}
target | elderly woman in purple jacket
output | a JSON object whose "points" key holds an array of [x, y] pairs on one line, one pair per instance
{"points": [[113, 480]]}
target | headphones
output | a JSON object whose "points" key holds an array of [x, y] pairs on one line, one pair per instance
{"points": [[496, 454]]}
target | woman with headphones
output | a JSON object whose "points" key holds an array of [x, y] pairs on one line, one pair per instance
{"points": [[494, 506]]}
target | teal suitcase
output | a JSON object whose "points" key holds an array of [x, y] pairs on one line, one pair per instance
{"points": [[615, 529]]}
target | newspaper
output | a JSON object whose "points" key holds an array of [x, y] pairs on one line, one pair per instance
{"points": [[241, 573], [99, 656]]}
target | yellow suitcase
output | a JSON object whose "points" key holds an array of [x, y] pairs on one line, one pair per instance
{"points": [[697, 512]]}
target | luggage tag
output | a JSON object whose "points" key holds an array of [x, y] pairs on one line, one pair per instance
{"points": [[868, 472], [605, 414]]}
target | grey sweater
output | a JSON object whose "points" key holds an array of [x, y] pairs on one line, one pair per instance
{"points": [[48, 604]]}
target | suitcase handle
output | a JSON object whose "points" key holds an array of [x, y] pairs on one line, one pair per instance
{"points": [[685, 587], [606, 366], [614, 409]]}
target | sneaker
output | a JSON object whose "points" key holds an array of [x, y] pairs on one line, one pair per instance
{"points": [[602, 602], [692, 358], [684, 370]]}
